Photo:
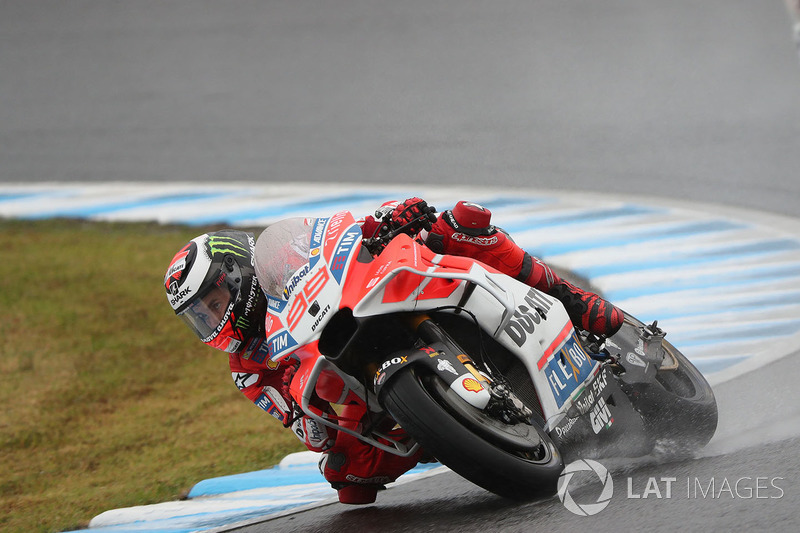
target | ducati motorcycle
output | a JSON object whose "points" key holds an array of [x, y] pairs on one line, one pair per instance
{"points": [[485, 373]]}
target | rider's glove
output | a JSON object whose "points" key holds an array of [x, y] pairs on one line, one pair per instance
{"points": [[466, 230], [412, 216]]}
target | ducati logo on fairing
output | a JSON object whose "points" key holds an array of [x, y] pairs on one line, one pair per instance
{"points": [[526, 317]]}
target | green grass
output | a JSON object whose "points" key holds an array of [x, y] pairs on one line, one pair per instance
{"points": [[108, 400]]}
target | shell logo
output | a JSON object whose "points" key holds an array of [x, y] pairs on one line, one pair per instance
{"points": [[472, 385]]}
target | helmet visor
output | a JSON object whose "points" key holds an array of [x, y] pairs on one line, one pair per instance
{"points": [[210, 311]]}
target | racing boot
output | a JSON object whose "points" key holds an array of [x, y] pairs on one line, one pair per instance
{"points": [[587, 309], [467, 231]]}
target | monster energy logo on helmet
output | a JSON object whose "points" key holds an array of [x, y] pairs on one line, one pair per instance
{"points": [[219, 244], [242, 323]]}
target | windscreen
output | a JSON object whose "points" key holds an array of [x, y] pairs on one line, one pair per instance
{"points": [[281, 250]]}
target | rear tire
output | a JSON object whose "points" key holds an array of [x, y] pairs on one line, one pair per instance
{"points": [[516, 461], [679, 408]]}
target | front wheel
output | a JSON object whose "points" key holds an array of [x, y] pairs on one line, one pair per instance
{"points": [[512, 460]]}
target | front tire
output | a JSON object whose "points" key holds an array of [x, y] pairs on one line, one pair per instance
{"points": [[515, 461]]}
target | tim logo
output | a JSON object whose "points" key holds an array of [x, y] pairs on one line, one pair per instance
{"points": [[281, 342], [339, 259]]}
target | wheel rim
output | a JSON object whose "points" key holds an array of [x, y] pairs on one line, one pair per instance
{"points": [[514, 439]]}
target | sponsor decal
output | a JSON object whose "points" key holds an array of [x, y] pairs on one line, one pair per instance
{"points": [[527, 316], [281, 342], [393, 361], [635, 360], [273, 403], [296, 279], [314, 434], [472, 385], [172, 280], [585, 402], [380, 374], [276, 305], [233, 345], [242, 323], [343, 251], [226, 245], [244, 380], [257, 351], [332, 231], [592, 401], [178, 296], [377, 480], [640, 348], [612, 344], [477, 240], [567, 370], [316, 240], [445, 365], [176, 267], [562, 430], [476, 206], [601, 416], [252, 300], [430, 351], [320, 317]]}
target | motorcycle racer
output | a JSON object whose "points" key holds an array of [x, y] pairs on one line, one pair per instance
{"points": [[212, 286]]}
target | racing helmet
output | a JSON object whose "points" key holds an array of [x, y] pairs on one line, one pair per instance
{"points": [[211, 285]]}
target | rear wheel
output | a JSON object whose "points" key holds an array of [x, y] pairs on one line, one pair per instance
{"points": [[513, 460], [679, 408]]}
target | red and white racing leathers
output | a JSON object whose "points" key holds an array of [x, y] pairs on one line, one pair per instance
{"points": [[356, 469]]}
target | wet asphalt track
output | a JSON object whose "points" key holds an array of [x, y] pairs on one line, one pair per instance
{"points": [[685, 100]]}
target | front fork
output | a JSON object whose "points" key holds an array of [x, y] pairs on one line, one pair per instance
{"points": [[503, 404]]}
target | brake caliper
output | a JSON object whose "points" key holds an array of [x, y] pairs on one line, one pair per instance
{"points": [[505, 406]]}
